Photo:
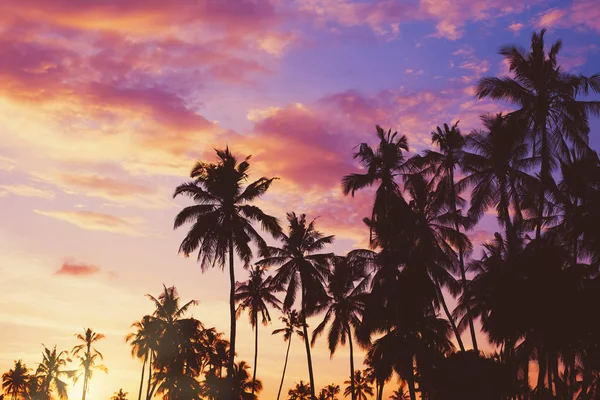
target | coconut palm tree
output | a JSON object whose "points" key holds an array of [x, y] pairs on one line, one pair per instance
{"points": [[14, 382], [51, 372], [344, 306], [143, 343], [361, 384], [120, 395], [300, 269], [383, 165], [442, 165], [302, 391], [547, 99], [400, 394], [88, 355], [256, 295], [331, 391], [293, 324], [222, 219]]}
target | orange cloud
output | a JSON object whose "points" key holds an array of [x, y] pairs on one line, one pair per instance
{"points": [[26, 191], [97, 221], [77, 269]]}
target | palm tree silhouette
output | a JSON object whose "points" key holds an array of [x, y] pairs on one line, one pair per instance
{"points": [[383, 165], [400, 394], [344, 307], [120, 395], [361, 385], [14, 382], [88, 355], [331, 391], [222, 219], [299, 268], [547, 97], [50, 372], [143, 343], [293, 324], [302, 391], [256, 295], [441, 165]]}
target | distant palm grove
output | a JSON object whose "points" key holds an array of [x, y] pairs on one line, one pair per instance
{"points": [[534, 288]]}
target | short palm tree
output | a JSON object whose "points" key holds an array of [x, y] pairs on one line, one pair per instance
{"points": [[400, 394], [302, 391], [256, 295], [344, 306], [331, 391], [300, 269], [143, 343], [362, 386], [120, 395], [222, 219], [293, 324], [547, 99], [88, 355], [51, 372], [14, 382]]}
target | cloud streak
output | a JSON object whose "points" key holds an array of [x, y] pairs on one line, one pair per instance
{"points": [[95, 221]]}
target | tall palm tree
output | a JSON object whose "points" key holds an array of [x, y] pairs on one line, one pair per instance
{"points": [[222, 219], [496, 170], [300, 269], [51, 371], [302, 391], [293, 324], [361, 386], [143, 342], [88, 355], [120, 395], [383, 165], [256, 295], [548, 105], [442, 165], [344, 307], [14, 382]]}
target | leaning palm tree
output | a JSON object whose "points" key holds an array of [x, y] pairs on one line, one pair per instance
{"points": [[361, 385], [14, 382], [143, 342], [120, 395], [302, 391], [293, 324], [222, 219], [87, 354], [51, 371], [300, 269], [383, 165], [344, 307], [256, 295], [548, 105]]}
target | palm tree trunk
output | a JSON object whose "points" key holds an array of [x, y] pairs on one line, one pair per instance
{"points": [[309, 358], [232, 319], [149, 376], [351, 364], [255, 354], [526, 379], [544, 172], [411, 381], [449, 316], [541, 370], [142, 380], [464, 285], [381, 385], [287, 353]]}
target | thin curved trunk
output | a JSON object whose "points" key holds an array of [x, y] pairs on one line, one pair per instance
{"points": [[544, 172], [542, 364], [307, 345], [449, 315], [411, 381], [255, 354], [142, 380], [351, 364], [149, 376], [287, 353], [232, 320], [85, 385]]}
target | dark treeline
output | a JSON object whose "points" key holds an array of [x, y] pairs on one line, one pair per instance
{"points": [[534, 287]]}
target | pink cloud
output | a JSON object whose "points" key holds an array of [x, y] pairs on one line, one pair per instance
{"points": [[77, 269], [97, 221], [586, 13], [515, 27], [550, 18]]}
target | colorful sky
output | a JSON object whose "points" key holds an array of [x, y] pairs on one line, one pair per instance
{"points": [[106, 104]]}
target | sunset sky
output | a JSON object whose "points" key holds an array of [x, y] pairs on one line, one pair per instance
{"points": [[106, 104]]}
